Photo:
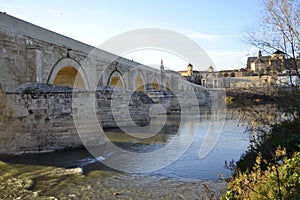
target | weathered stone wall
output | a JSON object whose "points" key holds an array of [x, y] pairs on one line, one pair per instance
{"points": [[39, 117], [2, 103], [12, 65], [33, 123], [36, 120], [247, 82]]}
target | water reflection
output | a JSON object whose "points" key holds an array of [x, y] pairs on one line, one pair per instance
{"points": [[231, 144]]}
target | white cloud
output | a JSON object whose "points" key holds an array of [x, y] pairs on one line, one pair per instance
{"points": [[225, 51], [198, 35], [228, 53], [231, 59]]}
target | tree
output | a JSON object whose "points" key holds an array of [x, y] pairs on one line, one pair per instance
{"points": [[270, 168], [279, 30]]}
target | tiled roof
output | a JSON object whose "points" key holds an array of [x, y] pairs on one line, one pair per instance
{"points": [[263, 59]]}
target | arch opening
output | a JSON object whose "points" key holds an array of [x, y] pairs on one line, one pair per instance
{"points": [[116, 80], [155, 85], [168, 86], [139, 84], [70, 77]]}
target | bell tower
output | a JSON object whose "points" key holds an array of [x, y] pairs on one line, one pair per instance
{"points": [[190, 69]]}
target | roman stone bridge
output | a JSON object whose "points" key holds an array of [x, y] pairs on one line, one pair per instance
{"points": [[33, 54], [36, 110]]}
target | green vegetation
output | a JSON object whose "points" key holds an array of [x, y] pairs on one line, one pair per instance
{"points": [[277, 181], [271, 167], [285, 135]]}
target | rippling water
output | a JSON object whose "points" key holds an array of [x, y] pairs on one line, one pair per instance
{"points": [[230, 145]]}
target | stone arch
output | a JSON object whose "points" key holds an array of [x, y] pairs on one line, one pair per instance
{"points": [[68, 72], [168, 88], [155, 85], [139, 83], [68, 76], [116, 80], [210, 75]]}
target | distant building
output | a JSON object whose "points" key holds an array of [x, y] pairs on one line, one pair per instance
{"points": [[261, 71], [191, 75], [261, 64], [210, 78]]}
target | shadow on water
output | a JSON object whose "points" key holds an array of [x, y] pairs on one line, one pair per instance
{"points": [[82, 158], [75, 158], [71, 158]]}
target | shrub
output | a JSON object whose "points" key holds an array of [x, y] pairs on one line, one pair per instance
{"points": [[280, 180]]}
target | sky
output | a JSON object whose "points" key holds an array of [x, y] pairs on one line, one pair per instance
{"points": [[217, 26]]}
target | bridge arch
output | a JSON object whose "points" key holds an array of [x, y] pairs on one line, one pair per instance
{"points": [[168, 88], [139, 82], [154, 81], [68, 72], [116, 79], [155, 85]]}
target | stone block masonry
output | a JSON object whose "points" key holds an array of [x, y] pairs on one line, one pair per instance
{"points": [[39, 117], [36, 119]]}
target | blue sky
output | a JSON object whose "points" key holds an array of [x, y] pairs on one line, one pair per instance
{"points": [[217, 26]]}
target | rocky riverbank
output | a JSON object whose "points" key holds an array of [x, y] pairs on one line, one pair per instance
{"points": [[40, 182]]}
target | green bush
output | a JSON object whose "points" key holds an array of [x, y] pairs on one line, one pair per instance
{"points": [[270, 169], [286, 134], [279, 180]]}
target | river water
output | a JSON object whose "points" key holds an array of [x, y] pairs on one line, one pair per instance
{"points": [[76, 174]]}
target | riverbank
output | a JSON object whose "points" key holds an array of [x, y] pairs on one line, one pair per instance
{"points": [[270, 168], [260, 96], [243, 95], [40, 182]]}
